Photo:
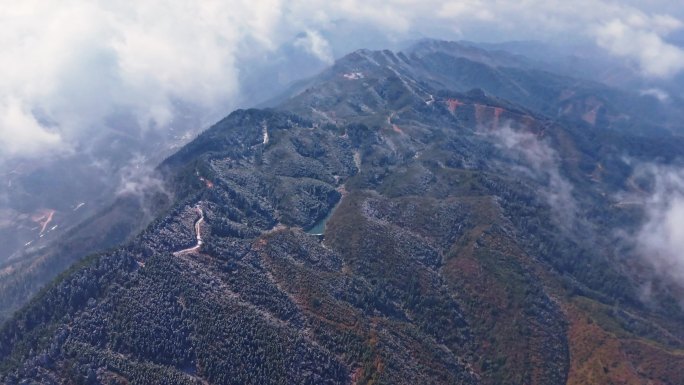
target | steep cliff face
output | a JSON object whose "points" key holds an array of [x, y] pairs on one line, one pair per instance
{"points": [[386, 224]]}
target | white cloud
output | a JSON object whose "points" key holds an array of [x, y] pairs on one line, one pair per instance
{"points": [[472, 8], [139, 179], [78, 63], [315, 44], [21, 134], [541, 162], [641, 41], [628, 31], [656, 93], [660, 240], [75, 62]]}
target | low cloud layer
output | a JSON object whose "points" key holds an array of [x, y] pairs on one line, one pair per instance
{"points": [[313, 43], [660, 240], [21, 134], [139, 179], [539, 161], [69, 66]]}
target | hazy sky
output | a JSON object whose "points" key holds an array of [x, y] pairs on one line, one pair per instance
{"points": [[66, 66]]}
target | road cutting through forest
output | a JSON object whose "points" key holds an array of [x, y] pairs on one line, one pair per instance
{"points": [[198, 235]]}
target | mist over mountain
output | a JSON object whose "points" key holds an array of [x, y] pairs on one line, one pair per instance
{"points": [[440, 214], [374, 192]]}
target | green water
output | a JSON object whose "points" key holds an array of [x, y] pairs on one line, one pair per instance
{"points": [[319, 227]]}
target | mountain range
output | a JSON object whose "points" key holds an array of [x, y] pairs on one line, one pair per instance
{"points": [[448, 214]]}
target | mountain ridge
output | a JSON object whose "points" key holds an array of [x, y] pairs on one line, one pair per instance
{"points": [[445, 259]]}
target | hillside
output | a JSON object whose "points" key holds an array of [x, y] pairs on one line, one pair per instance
{"points": [[435, 216]]}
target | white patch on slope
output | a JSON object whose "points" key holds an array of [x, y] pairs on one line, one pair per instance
{"points": [[264, 130]]}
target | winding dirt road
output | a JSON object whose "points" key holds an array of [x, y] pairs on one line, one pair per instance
{"points": [[198, 235]]}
